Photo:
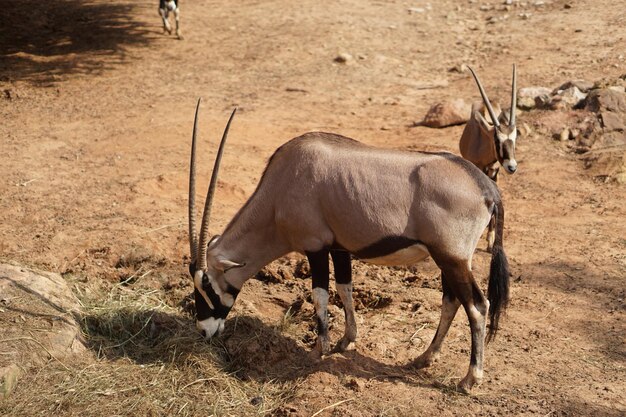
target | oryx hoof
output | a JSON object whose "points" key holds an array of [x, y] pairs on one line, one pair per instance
{"points": [[423, 361], [343, 345], [322, 346], [467, 383]]}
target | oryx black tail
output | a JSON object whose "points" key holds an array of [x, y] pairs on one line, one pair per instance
{"points": [[498, 289]]}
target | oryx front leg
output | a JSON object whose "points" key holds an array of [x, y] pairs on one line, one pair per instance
{"points": [[449, 306], [179, 33], [319, 269], [343, 283], [165, 17]]}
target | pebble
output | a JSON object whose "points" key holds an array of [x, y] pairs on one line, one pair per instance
{"points": [[343, 58]]}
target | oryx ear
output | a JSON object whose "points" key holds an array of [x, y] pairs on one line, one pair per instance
{"points": [[484, 125], [213, 241], [505, 117], [225, 264]]}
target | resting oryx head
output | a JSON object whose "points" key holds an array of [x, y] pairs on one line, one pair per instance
{"points": [[213, 295], [502, 128]]}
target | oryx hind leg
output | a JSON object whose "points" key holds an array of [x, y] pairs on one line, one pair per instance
{"points": [[343, 283], [320, 272], [179, 33], [449, 306], [461, 281]]}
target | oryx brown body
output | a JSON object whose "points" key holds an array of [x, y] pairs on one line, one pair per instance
{"points": [[323, 194]]}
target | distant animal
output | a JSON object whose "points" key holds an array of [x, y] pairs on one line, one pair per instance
{"points": [[322, 195], [488, 145], [165, 7]]}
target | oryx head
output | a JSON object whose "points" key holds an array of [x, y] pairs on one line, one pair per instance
{"points": [[504, 129], [213, 294]]}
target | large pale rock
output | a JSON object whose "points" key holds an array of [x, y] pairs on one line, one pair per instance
{"points": [[570, 97], [447, 113], [34, 300], [527, 97]]}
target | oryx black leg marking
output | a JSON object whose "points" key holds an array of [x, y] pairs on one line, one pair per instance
{"points": [[449, 306], [343, 283], [320, 271]]}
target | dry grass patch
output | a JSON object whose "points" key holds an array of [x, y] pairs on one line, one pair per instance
{"points": [[145, 358]]}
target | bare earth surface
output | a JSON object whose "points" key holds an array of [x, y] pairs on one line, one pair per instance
{"points": [[96, 110]]}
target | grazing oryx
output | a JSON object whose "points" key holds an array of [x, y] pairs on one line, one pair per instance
{"points": [[324, 194], [487, 144], [165, 7]]}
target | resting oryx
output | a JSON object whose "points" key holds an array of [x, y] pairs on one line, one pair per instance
{"points": [[165, 7], [487, 144], [324, 194]]}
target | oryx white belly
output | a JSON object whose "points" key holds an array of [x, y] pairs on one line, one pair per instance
{"points": [[405, 256]]}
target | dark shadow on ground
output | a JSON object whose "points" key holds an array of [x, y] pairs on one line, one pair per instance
{"points": [[43, 41], [248, 349]]}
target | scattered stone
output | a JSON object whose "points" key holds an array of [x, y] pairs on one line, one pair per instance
{"points": [[567, 6], [527, 97], [613, 121], [344, 58], [567, 98], [412, 10], [355, 384], [460, 68], [525, 130], [565, 135], [8, 379], [582, 85], [447, 113], [606, 99]]}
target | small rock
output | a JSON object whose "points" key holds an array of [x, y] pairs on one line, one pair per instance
{"points": [[460, 68], [526, 103], [567, 6], [532, 92], [525, 130], [618, 88], [564, 137], [574, 133], [613, 121], [343, 58], [412, 10], [569, 97], [355, 384], [447, 113], [543, 101], [582, 85], [606, 99], [8, 379]]}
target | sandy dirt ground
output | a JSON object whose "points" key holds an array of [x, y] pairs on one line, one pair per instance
{"points": [[96, 112]]}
